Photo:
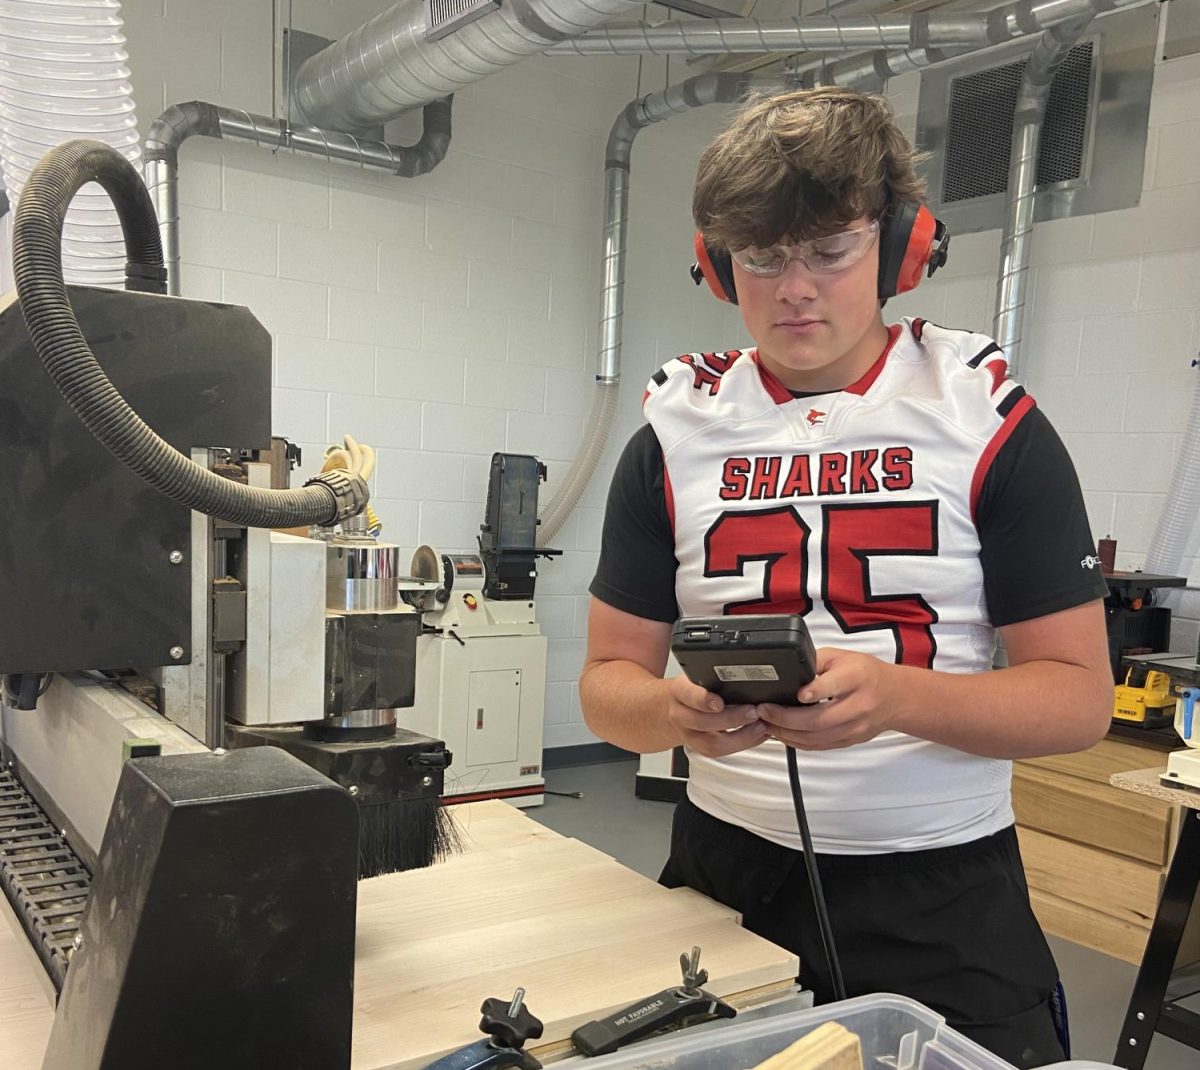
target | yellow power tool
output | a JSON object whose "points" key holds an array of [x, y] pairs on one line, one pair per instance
{"points": [[1144, 699]]}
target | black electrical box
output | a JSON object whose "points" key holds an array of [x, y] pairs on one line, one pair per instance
{"points": [[95, 565]]}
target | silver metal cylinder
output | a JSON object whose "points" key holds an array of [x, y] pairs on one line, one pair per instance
{"points": [[363, 719], [361, 575]]}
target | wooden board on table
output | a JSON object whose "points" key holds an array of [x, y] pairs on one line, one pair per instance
{"points": [[525, 907], [490, 825], [401, 1022], [1094, 814]]}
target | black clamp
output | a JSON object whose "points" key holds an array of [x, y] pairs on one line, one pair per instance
{"points": [[673, 1008], [508, 1024], [145, 278], [436, 759]]}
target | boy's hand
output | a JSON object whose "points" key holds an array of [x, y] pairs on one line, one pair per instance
{"points": [[707, 725], [862, 700]]}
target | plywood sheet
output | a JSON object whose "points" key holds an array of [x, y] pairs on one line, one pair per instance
{"points": [[486, 826], [565, 989], [579, 932]]}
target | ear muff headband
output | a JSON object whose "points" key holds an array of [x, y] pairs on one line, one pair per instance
{"points": [[715, 267]]}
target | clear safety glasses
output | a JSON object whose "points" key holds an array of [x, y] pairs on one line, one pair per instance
{"points": [[822, 256]]}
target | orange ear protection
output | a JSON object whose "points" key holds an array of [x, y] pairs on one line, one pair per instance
{"points": [[911, 242]]}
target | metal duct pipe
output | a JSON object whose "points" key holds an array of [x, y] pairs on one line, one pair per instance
{"points": [[712, 88], [833, 34], [387, 66], [1017, 241], [703, 89], [181, 121], [871, 70]]}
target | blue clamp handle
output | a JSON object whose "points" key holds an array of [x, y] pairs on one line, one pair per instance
{"points": [[1190, 694]]}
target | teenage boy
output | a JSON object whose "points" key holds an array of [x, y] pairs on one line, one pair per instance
{"points": [[896, 488]]}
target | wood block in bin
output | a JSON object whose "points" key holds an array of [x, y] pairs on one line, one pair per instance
{"points": [[828, 1047]]}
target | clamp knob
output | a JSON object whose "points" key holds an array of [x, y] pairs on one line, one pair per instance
{"points": [[509, 1021]]}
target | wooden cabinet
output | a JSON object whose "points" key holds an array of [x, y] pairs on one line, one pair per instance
{"points": [[1095, 856]]}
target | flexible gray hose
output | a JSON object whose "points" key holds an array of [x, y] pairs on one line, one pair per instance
{"points": [[37, 266], [599, 424]]}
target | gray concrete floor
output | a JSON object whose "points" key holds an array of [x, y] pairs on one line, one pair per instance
{"points": [[636, 832]]}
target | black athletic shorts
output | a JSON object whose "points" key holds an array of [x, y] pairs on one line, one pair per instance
{"points": [[949, 927]]}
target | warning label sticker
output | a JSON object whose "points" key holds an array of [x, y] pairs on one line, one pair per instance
{"points": [[728, 674]]}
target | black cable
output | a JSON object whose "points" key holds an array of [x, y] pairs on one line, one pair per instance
{"points": [[814, 879]]}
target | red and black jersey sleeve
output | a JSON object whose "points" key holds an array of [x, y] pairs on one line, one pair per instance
{"points": [[636, 573], [1036, 546]]}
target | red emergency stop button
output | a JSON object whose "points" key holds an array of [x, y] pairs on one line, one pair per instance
{"points": [[470, 601]]}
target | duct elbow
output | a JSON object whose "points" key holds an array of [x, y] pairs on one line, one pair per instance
{"points": [[175, 125]]}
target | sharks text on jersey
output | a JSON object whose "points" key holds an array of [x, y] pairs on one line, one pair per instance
{"points": [[805, 475]]}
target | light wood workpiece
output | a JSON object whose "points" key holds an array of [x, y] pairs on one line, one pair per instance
{"points": [[521, 906]]}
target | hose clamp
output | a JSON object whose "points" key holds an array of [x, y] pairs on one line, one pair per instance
{"points": [[348, 490]]}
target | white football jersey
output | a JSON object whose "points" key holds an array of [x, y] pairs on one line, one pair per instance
{"points": [[856, 509]]}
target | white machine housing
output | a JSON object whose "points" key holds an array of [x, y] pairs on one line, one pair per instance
{"points": [[480, 683], [1183, 766]]}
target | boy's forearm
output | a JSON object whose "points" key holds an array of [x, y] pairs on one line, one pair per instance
{"points": [[1029, 710], [627, 705]]}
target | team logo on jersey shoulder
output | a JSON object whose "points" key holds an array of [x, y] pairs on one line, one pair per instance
{"points": [[1089, 561], [815, 417], [707, 368]]}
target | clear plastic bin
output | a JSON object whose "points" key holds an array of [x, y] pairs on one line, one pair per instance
{"points": [[895, 1033]]}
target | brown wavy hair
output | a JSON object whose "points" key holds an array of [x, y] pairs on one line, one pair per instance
{"points": [[801, 165]]}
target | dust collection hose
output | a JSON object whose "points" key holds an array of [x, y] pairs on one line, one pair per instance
{"points": [[37, 266]]}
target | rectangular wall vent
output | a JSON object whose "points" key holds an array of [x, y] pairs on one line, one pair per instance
{"points": [[979, 127]]}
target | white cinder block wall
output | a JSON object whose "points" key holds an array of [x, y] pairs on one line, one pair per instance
{"points": [[446, 317]]}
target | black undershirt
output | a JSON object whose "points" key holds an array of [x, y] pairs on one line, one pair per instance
{"points": [[1032, 524]]}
